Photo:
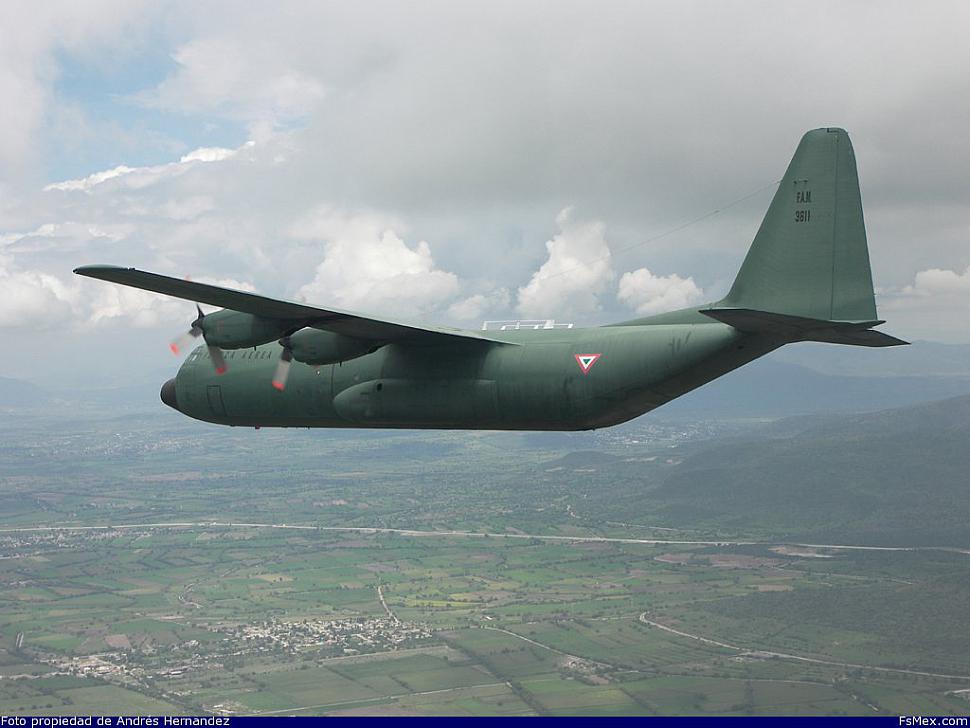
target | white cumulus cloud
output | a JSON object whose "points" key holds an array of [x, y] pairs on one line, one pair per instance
{"points": [[576, 272], [939, 282], [647, 293], [368, 267], [33, 299], [144, 309], [475, 308], [933, 306]]}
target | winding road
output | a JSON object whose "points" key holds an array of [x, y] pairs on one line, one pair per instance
{"points": [[757, 653]]}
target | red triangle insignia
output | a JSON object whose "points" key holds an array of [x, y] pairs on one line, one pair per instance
{"points": [[586, 361]]}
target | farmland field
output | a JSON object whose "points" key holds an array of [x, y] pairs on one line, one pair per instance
{"points": [[441, 574]]}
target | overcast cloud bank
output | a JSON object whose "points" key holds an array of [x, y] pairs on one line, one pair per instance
{"points": [[462, 162]]}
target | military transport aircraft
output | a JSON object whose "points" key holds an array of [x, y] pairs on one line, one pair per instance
{"points": [[806, 277]]}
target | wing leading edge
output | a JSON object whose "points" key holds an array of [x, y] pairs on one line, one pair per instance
{"points": [[347, 323]]}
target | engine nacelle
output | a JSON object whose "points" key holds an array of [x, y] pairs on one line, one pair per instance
{"points": [[317, 347], [236, 330]]}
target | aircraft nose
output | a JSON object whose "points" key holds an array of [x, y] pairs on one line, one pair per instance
{"points": [[168, 394]]}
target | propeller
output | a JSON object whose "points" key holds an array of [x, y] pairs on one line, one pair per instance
{"points": [[188, 338], [283, 367]]}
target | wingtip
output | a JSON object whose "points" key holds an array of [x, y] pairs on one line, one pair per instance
{"points": [[92, 271]]}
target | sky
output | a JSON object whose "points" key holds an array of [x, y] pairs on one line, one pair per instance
{"points": [[454, 162]]}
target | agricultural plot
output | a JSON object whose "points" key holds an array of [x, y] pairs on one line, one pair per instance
{"points": [[285, 577]]}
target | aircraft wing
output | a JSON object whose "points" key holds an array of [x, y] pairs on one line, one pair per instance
{"points": [[347, 323]]}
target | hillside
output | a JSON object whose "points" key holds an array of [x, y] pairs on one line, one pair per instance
{"points": [[775, 388], [892, 477], [16, 393]]}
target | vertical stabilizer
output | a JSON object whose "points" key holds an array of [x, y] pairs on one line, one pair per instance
{"points": [[810, 257]]}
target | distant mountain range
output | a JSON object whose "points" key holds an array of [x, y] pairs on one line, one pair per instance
{"points": [[895, 477], [777, 388], [16, 393], [922, 358]]}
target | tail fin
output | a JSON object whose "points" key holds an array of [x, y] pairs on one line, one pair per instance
{"points": [[810, 257], [807, 276]]}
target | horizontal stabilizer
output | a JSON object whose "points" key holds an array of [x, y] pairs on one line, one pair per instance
{"points": [[858, 338], [799, 328]]}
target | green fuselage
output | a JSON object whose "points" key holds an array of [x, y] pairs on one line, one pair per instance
{"points": [[534, 382]]}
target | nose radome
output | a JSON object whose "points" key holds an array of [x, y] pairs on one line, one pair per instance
{"points": [[168, 394]]}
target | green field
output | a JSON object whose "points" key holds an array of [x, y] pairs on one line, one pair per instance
{"points": [[268, 573]]}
